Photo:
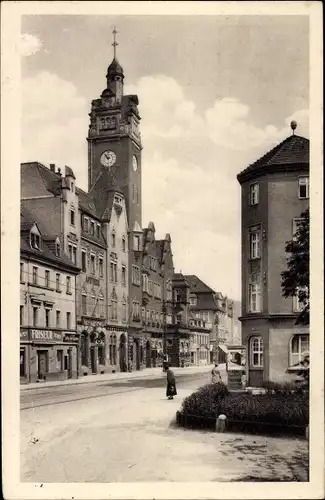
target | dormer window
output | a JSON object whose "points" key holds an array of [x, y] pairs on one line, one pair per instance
{"points": [[35, 241], [57, 249], [86, 221], [193, 300]]}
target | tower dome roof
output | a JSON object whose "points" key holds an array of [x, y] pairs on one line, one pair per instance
{"points": [[115, 67]]}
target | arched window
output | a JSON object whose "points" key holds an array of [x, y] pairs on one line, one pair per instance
{"points": [[298, 349], [256, 351]]}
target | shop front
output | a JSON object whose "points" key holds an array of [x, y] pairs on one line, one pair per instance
{"points": [[47, 355]]}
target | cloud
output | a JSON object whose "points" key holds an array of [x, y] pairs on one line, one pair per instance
{"points": [[29, 44], [54, 123]]}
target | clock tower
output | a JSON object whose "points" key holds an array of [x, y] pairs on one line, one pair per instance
{"points": [[114, 140], [114, 144]]}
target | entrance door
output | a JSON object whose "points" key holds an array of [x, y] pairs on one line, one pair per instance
{"points": [[93, 360], [41, 364]]}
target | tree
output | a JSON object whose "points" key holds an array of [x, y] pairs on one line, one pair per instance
{"points": [[295, 279]]}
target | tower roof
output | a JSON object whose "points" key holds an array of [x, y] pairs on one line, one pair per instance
{"points": [[291, 153], [114, 67]]}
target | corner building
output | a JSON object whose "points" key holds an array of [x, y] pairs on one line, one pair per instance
{"points": [[275, 191], [114, 145]]}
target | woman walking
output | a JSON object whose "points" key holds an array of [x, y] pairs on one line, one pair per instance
{"points": [[171, 384], [215, 374]]}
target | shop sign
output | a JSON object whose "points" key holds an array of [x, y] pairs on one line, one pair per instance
{"points": [[70, 337], [23, 334], [46, 335]]}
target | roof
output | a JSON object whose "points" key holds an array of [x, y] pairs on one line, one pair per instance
{"points": [[27, 221], [86, 203], [293, 151], [101, 195], [197, 285], [38, 180], [115, 67]]}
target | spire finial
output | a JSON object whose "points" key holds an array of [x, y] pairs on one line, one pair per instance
{"points": [[114, 44], [293, 126]]}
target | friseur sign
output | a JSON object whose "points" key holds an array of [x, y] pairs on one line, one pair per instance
{"points": [[46, 335]]}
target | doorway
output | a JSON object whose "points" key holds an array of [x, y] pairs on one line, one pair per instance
{"points": [[93, 360], [69, 363], [42, 364], [148, 354]]}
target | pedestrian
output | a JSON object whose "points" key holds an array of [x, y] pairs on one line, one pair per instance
{"points": [[215, 374], [171, 384]]}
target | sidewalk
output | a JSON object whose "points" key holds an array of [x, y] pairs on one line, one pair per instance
{"points": [[145, 373]]}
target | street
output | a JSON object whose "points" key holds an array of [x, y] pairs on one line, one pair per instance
{"points": [[124, 431]]}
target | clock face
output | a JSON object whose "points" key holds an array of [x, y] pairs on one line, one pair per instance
{"points": [[134, 163], [108, 158]]}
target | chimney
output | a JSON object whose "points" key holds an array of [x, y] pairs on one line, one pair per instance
{"points": [[52, 167]]}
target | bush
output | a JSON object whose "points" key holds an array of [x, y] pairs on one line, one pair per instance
{"points": [[205, 401], [279, 411], [284, 388]]}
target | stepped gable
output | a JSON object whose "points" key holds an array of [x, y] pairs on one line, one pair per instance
{"points": [[291, 153]]}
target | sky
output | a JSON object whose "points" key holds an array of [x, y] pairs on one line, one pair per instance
{"points": [[215, 92]]}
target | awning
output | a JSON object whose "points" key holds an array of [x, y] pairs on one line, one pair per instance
{"points": [[223, 348]]}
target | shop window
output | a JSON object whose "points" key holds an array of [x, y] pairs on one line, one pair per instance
{"points": [[101, 355], [22, 368], [257, 351], [59, 360], [298, 349], [84, 360]]}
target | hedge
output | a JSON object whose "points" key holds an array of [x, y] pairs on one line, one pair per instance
{"points": [[270, 412]]}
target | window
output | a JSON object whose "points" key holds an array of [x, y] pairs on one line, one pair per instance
{"points": [[86, 224], [84, 304], [83, 261], [59, 360], [113, 272], [98, 230], [101, 267], [35, 316], [74, 255], [58, 319], [47, 317], [135, 311], [57, 249], [22, 363], [47, 279], [21, 271], [92, 228], [145, 284], [92, 264], [303, 187], [178, 296], [136, 243], [57, 279], [113, 238], [68, 320], [72, 187], [123, 243], [70, 251], [35, 241], [72, 217], [253, 194], [114, 310], [124, 317], [68, 283], [193, 300], [256, 350], [21, 315], [298, 305], [254, 239], [101, 355], [136, 277], [123, 276], [35, 275], [254, 297], [298, 349], [101, 307]]}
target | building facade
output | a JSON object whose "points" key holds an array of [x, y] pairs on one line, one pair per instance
{"points": [[275, 191], [49, 343]]}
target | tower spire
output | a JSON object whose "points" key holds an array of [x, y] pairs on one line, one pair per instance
{"points": [[114, 44]]}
